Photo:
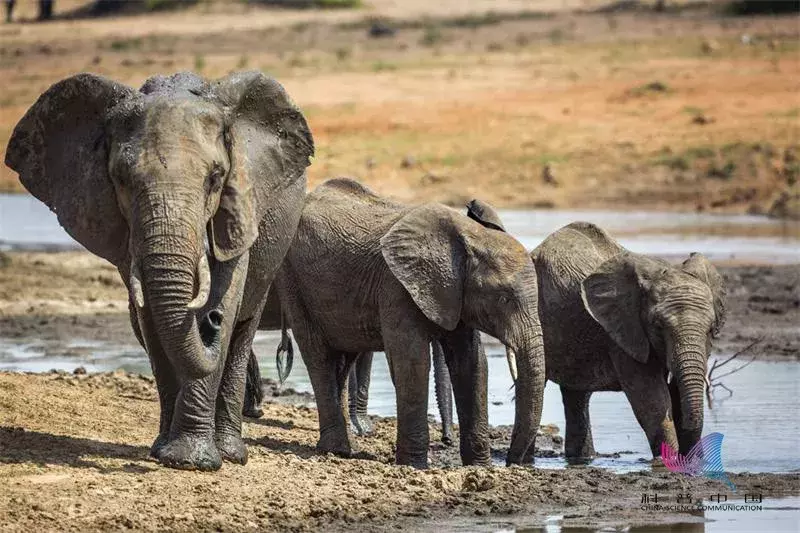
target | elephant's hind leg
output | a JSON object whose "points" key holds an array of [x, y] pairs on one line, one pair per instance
{"points": [[358, 384], [444, 394], [328, 370], [253, 394], [578, 445]]}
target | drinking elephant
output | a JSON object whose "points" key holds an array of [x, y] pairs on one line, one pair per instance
{"points": [[616, 320], [193, 189], [364, 274]]}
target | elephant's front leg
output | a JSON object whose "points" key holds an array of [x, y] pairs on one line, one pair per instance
{"points": [[166, 382], [578, 445], [358, 384], [407, 349], [192, 433], [230, 398], [646, 389], [468, 370]]}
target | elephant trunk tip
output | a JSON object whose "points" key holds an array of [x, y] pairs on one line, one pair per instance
{"points": [[210, 327]]}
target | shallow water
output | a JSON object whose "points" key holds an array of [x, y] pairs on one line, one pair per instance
{"points": [[775, 515], [26, 223], [760, 421]]}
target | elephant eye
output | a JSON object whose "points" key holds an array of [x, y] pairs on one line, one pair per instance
{"points": [[215, 177], [282, 133]]}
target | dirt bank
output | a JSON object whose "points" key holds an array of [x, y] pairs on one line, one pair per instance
{"points": [[61, 297], [73, 457], [522, 103]]}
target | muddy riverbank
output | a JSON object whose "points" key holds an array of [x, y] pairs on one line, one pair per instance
{"points": [[60, 297], [74, 458]]}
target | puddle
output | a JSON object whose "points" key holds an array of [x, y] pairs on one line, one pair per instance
{"points": [[772, 515]]}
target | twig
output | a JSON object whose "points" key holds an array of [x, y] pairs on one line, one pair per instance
{"points": [[713, 382]]}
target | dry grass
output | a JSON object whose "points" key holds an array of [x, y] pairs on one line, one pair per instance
{"points": [[628, 109]]}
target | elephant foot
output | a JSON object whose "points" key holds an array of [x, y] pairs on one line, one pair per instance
{"points": [[191, 452], [158, 446], [252, 411], [361, 425], [416, 460], [232, 448], [335, 443], [447, 437]]}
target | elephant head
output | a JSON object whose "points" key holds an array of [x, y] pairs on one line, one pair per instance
{"points": [[146, 178], [458, 271], [652, 309]]}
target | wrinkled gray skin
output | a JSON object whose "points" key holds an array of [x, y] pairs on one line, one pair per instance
{"points": [[615, 320], [364, 274], [193, 190]]}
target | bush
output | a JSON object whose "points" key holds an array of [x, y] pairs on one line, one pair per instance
{"points": [[756, 7]]}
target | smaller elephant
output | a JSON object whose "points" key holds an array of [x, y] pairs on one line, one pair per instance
{"points": [[617, 320]]}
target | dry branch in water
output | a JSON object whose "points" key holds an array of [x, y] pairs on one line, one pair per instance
{"points": [[713, 381]]}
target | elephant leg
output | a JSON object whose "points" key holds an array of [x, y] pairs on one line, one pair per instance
{"points": [[328, 375], [647, 391], [190, 443], [443, 387], [230, 398], [466, 361], [578, 443], [410, 361], [253, 393], [359, 394], [166, 382]]}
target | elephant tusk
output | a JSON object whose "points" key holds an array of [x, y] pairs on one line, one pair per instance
{"points": [[512, 363], [136, 285], [669, 377], [204, 276]]}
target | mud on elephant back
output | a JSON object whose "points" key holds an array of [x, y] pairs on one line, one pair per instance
{"points": [[193, 190]]}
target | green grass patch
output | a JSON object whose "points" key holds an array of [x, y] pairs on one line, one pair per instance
{"points": [[120, 45], [650, 88]]}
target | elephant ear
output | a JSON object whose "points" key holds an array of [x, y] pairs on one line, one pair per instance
{"points": [[484, 214], [612, 295], [270, 147], [59, 150], [425, 253], [701, 268]]}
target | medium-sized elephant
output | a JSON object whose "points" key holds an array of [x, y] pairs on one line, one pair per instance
{"points": [[359, 379], [365, 274], [617, 320], [193, 189]]}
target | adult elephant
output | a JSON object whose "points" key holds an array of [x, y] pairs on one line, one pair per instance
{"points": [[193, 190], [365, 274], [616, 320]]}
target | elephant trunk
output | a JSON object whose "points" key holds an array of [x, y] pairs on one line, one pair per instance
{"points": [[689, 371], [529, 391], [168, 263]]}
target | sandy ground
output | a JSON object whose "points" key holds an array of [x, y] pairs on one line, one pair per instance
{"points": [[519, 102], [74, 458], [73, 448], [64, 296]]}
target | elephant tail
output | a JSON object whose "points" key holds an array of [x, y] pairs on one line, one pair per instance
{"points": [[284, 357]]}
